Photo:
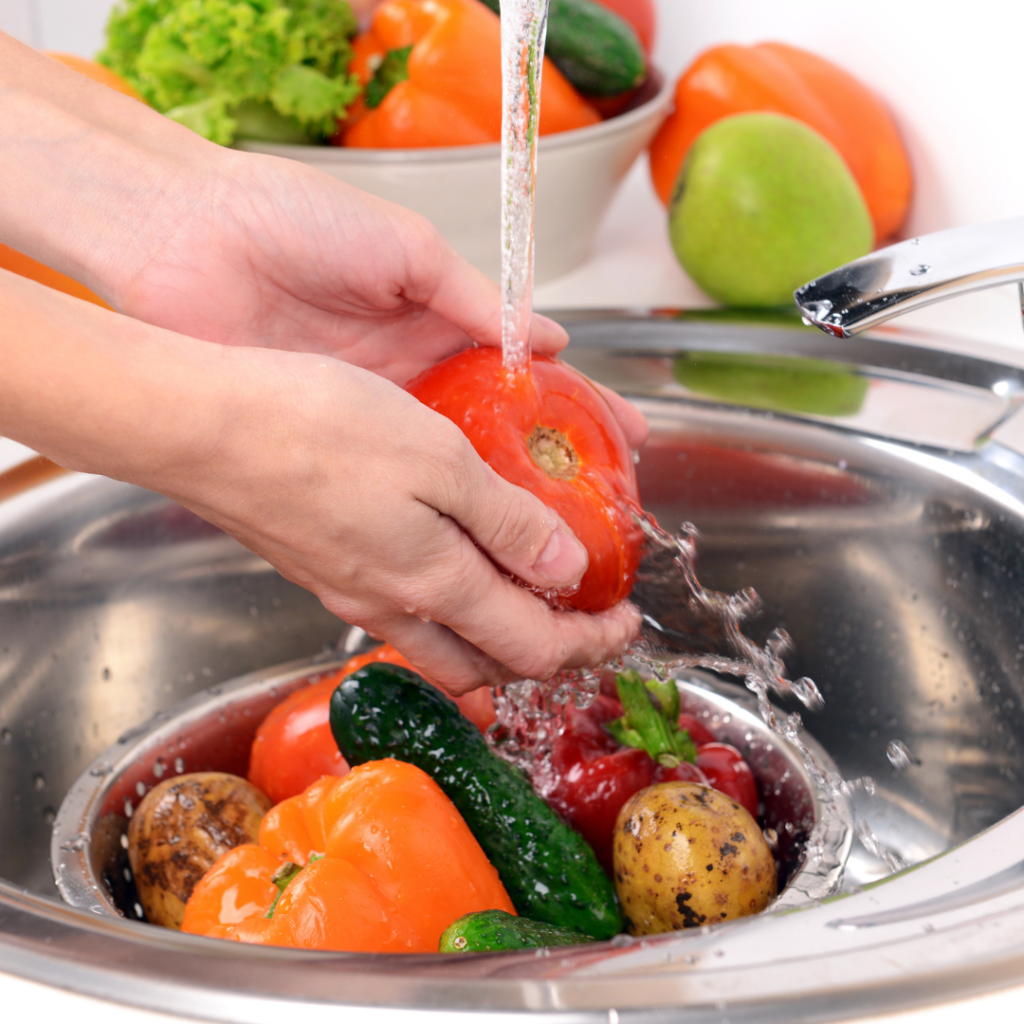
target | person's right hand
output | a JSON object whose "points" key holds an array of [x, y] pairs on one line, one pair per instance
{"points": [[339, 478], [381, 507]]}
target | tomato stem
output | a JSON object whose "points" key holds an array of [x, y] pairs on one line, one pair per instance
{"points": [[550, 449]]}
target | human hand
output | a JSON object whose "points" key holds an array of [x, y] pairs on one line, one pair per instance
{"points": [[339, 478], [231, 247], [383, 510]]}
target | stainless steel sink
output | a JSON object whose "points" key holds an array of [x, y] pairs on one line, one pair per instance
{"points": [[871, 490]]}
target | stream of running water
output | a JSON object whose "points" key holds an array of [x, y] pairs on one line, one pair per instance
{"points": [[684, 625]]}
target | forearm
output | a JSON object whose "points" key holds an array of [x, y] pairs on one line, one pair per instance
{"points": [[100, 392], [91, 178]]}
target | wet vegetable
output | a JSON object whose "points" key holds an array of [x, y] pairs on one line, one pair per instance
{"points": [[549, 871], [497, 930], [685, 856], [553, 433], [180, 830], [294, 745], [378, 862]]}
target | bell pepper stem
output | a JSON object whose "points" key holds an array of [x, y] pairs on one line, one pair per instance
{"points": [[645, 726]]}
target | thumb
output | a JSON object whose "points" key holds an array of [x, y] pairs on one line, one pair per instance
{"points": [[515, 528]]}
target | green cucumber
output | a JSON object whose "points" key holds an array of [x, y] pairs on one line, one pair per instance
{"points": [[599, 52], [549, 871], [495, 929]]}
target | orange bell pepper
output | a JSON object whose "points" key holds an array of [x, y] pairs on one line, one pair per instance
{"points": [[294, 745], [782, 79], [387, 863], [452, 96]]}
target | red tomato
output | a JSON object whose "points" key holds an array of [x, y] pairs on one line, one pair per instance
{"points": [[294, 745], [551, 432], [729, 773], [641, 14]]}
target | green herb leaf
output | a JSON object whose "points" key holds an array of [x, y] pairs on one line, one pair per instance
{"points": [[285, 875], [394, 68]]}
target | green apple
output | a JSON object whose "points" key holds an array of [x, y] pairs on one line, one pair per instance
{"points": [[764, 204]]}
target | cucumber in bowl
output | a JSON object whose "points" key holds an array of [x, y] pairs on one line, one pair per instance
{"points": [[550, 872], [599, 52]]}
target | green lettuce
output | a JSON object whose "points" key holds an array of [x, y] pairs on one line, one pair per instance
{"points": [[270, 69]]}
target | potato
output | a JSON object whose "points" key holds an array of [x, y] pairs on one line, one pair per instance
{"points": [[686, 855], [180, 829]]}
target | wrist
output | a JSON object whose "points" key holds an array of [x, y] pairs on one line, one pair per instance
{"points": [[131, 173]]}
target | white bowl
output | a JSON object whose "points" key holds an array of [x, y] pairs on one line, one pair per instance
{"points": [[457, 188]]}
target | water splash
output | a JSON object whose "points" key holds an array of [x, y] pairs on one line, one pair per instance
{"points": [[685, 626]]}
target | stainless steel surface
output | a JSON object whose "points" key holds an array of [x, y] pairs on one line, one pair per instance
{"points": [[894, 561], [214, 730], [912, 274]]}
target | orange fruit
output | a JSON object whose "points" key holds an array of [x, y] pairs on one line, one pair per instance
{"points": [[97, 72]]}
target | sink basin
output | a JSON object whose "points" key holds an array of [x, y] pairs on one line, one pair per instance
{"points": [[872, 492]]}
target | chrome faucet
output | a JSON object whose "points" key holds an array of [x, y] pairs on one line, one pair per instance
{"points": [[912, 274]]}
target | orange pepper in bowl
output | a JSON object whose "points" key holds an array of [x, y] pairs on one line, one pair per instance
{"points": [[387, 863], [783, 79], [452, 95]]}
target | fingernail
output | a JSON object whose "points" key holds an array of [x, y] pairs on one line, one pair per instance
{"points": [[563, 560]]}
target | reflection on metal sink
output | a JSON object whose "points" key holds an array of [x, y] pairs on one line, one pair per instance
{"points": [[875, 499]]}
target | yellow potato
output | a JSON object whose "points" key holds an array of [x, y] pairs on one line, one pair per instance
{"points": [[686, 855], [180, 829]]}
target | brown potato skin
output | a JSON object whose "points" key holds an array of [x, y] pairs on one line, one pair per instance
{"points": [[181, 827], [686, 855]]}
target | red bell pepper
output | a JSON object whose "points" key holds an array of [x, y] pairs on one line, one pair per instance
{"points": [[596, 774]]}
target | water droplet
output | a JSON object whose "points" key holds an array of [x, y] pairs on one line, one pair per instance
{"points": [[49, 815], [101, 769], [129, 810], [900, 756], [921, 268], [6, 737], [138, 912], [179, 765], [38, 781], [77, 842], [159, 767], [140, 788], [124, 841]]}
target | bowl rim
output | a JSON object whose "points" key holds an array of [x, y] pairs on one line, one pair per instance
{"points": [[654, 96]]}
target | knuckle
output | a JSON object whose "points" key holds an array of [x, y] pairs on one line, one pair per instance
{"points": [[515, 530]]}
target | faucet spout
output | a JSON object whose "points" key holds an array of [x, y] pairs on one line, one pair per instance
{"points": [[912, 274]]}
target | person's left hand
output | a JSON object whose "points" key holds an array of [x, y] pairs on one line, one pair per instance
{"points": [[283, 256]]}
